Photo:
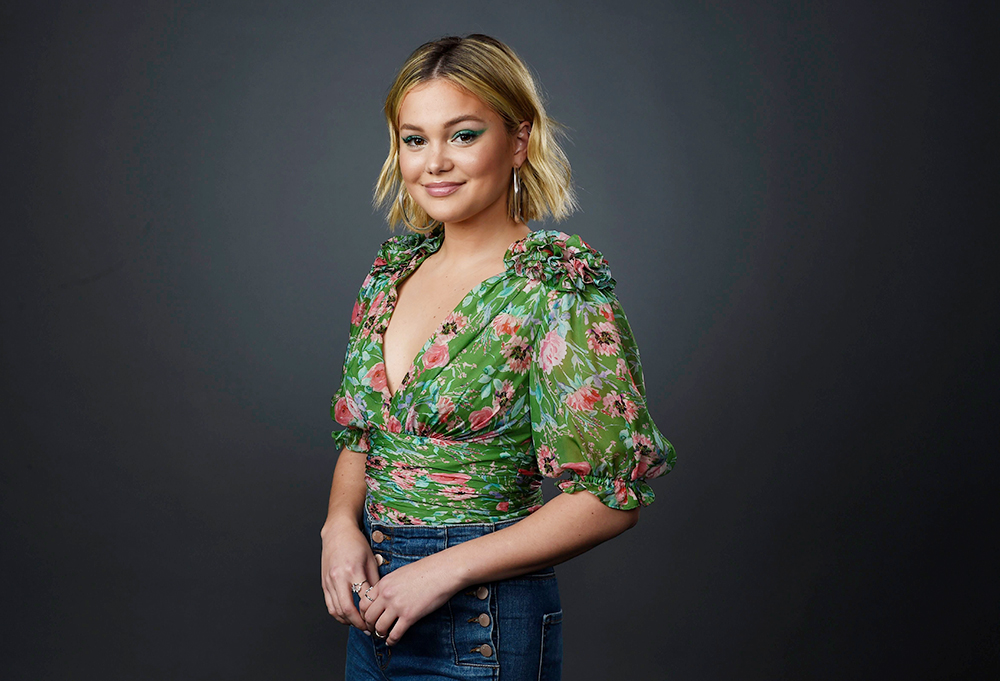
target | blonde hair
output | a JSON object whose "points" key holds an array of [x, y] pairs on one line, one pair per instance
{"points": [[490, 70]]}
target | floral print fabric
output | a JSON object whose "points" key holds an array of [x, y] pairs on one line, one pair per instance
{"points": [[535, 373]]}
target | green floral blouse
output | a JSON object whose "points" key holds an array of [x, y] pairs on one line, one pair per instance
{"points": [[535, 373]]}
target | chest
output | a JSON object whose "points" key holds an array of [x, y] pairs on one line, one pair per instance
{"points": [[423, 300]]}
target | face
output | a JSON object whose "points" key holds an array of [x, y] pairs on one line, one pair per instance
{"points": [[455, 155]]}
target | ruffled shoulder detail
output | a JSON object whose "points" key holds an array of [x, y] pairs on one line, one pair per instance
{"points": [[398, 251], [565, 261]]}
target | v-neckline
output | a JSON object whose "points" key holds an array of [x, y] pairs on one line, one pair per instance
{"points": [[393, 295]]}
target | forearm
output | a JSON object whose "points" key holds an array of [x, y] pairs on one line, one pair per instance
{"points": [[566, 526], [347, 492]]}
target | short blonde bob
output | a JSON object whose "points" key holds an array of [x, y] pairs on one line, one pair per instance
{"points": [[490, 70]]}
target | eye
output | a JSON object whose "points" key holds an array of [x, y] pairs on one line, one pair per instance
{"points": [[413, 141], [467, 136]]}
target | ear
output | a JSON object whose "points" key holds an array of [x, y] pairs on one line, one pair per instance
{"points": [[521, 136]]}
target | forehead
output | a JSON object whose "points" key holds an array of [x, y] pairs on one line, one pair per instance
{"points": [[438, 101]]}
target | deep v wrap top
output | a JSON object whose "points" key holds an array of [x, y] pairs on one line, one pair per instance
{"points": [[534, 374]]}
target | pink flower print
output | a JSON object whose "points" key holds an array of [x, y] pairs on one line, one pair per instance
{"points": [[459, 492], [376, 375], [506, 324], [658, 470], [379, 262], [551, 351], [606, 311], [403, 476], [532, 509], [346, 411], [436, 356], [479, 419], [530, 285], [445, 406], [452, 324], [644, 455], [357, 314], [603, 338], [621, 370], [503, 397], [617, 404], [392, 425], [376, 306], [411, 419], [503, 506], [581, 468], [622, 491], [576, 267], [548, 464], [583, 399], [450, 478], [518, 354]]}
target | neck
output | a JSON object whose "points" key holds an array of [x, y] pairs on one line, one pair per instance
{"points": [[481, 238]]}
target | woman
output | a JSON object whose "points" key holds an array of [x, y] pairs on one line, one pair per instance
{"points": [[482, 357]]}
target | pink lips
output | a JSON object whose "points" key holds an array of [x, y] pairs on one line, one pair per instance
{"points": [[442, 188]]}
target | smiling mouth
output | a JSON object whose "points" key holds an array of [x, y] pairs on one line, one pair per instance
{"points": [[442, 188]]}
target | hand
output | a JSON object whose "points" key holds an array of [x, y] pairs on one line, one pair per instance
{"points": [[407, 594], [347, 559]]}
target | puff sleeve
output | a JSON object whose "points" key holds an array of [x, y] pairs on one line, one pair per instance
{"points": [[346, 406], [587, 396]]}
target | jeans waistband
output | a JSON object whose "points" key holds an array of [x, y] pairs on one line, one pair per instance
{"points": [[423, 540]]}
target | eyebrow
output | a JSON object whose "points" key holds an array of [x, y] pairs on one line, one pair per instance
{"points": [[453, 121]]}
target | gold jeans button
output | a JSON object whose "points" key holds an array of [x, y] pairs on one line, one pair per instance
{"points": [[484, 620], [379, 558], [377, 536], [482, 593], [486, 650]]}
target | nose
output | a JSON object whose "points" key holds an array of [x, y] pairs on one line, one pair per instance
{"points": [[438, 159]]}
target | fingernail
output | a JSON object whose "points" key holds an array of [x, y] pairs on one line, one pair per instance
{"points": [[367, 633]]}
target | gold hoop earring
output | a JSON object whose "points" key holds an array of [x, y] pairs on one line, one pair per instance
{"points": [[402, 214]]}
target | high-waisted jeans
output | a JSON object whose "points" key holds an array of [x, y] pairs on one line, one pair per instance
{"points": [[510, 630]]}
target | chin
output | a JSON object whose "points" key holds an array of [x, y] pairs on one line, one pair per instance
{"points": [[448, 216]]}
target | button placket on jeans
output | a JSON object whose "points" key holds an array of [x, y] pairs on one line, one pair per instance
{"points": [[482, 622]]}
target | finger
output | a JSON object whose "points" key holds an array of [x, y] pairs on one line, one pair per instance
{"points": [[386, 626], [365, 602], [349, 611], [398, 629], [335, 608], [371, 570], [372, 613], [329, 600]]}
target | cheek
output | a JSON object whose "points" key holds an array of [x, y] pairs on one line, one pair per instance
{"points": [[488, 163], [409, 167]]}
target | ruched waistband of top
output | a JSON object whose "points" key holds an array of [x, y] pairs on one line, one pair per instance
{"points": [[417, 480]]}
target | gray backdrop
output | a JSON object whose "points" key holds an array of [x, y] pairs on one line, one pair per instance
{"points": [[789, 194]]}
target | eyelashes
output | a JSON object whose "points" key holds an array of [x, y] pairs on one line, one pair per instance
{"points": [[467, 136], [462, 137]]}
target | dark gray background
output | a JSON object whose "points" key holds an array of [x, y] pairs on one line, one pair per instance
{"points": [[791, 196]]}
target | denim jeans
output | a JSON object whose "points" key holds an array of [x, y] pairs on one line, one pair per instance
{"points": [[510, 630]]}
